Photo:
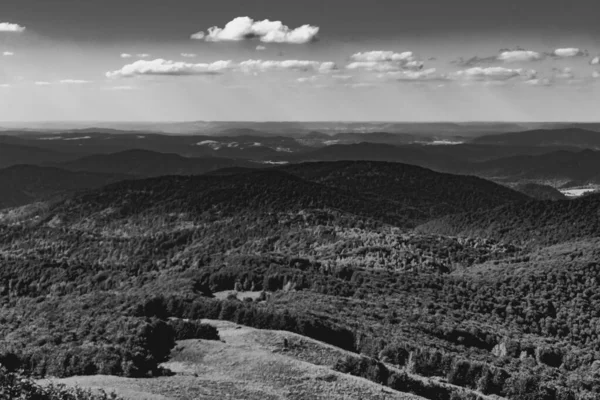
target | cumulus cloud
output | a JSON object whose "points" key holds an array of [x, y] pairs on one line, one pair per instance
{"points": [[538, 82], [494, 74], [143, 55], [126, 55], [8, 53], [188, 55], [429, 74], [308, 79], [243, 28], [299, 65], [8, 27], [563, 73], [74, 81], [520, 56], [260, 48], [384, 61], [168, 67], [569, 52], [595, 61], [140, 55]]}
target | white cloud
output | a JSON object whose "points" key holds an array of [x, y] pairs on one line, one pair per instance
{"points": [[8, 53], [429, 74], [119, 88], [168, 67], [539, 82], [595, 61], [260, 48], [596, 74], [74, 81], [384, 61], [342, 77], [126, 55], [309, 79], [42, 83], [569, 52], [143, 55], [299, 65], [520, 56], [381, 55], [563, 73], [494, 74], [243, 28], [8, 27], [189, 55]]}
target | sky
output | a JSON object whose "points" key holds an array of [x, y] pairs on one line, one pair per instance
{"points": [[328, 60]]}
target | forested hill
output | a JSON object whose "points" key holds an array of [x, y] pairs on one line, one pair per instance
{"points": [[150, 163], [536, 222], [23, 184], [396, 194], [409, 187]]}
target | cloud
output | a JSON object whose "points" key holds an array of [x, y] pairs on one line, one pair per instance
{"points": [[494, 74], [42, 83], [595, 61], [342, 77], [569, 52], [169, 68], [298, 65], [505, 55], [189, 55], [520, 56], [74, 81], [8, 27], [140, 55], [244, 28], [5, 85], [121, 88], [563, 73], [260, 48], [384, 61], [429, 74], [8, 53], [596, 74], [539, 82], [309, 79]]}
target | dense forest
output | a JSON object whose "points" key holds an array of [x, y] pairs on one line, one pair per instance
{"points": [[106, 281]]}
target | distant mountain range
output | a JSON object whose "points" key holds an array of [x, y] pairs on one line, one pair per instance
{"points": [[575, 137]]}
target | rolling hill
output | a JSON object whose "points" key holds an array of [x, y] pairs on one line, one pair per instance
{"points": [[397, 194], [15, 154], [150, 164], [24, 184], [575, 137], [534, 223]]}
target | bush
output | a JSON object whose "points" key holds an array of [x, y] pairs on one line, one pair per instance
{"points": [[186, 329]]}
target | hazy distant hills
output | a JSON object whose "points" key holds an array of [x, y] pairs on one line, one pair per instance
{"points": [[536, 222], [575, 137], [24, 184], [540, 192], [560, 168], [13, 154], [146, 163]]}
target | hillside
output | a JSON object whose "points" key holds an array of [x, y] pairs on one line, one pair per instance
{"points": [[24, 184], [575, 137], [540, 192], [16, 154], [150, 164], [535, 223], [247, 364], [560, 168], [411, 189]]}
